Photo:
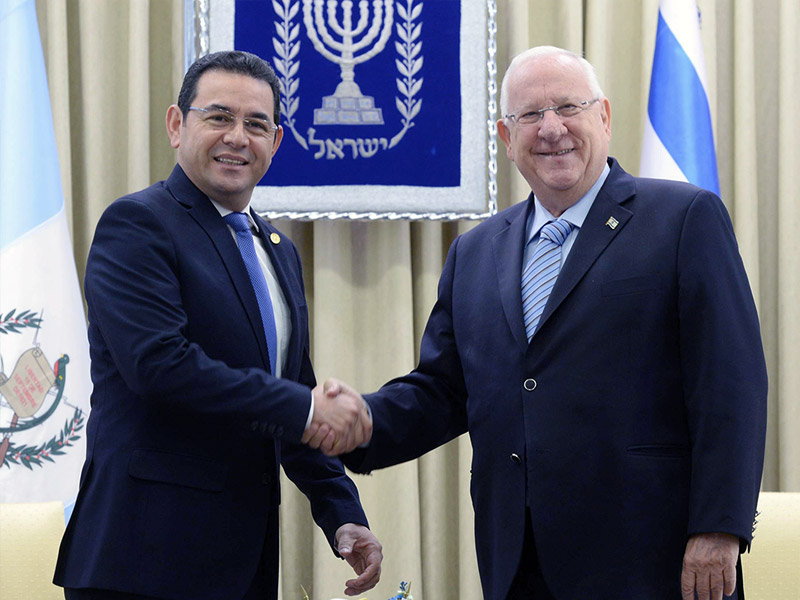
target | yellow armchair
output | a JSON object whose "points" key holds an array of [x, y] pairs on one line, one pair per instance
{"points": [[30, 534], [772, 567]]}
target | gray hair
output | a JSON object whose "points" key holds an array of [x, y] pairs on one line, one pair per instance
{"points": [[541, 52]]}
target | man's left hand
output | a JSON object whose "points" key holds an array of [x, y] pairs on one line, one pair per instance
{"points": [[359, 547], [709, 566]]}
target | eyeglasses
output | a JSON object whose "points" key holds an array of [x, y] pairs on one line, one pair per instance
{"points": [[220, 119], [565, 111]]}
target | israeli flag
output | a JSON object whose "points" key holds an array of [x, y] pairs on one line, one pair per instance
{"points": [[678, 138], [44, 353]]}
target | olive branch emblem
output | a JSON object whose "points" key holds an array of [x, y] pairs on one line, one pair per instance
{"points": [[286, 47], [30, 456], [14, 324], [408, 65]]}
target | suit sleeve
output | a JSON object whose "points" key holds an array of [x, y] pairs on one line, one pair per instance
{"points": [[332, 494], [426, 408], [724, 373], [135, 303]]}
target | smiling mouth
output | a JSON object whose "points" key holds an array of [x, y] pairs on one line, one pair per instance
{"points": [[230, 161], [559, 153]]}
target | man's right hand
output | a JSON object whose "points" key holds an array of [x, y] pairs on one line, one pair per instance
{"points": [[341, 421]]}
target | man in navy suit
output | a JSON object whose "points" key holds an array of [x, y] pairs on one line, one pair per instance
{"points": [[618, 419], [198, 397]]}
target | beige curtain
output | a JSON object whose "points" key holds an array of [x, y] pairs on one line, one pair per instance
{"points": [[115, 65]]}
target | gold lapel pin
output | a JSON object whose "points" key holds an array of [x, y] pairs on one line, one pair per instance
{"points": [[612, 223], [274, 238]]}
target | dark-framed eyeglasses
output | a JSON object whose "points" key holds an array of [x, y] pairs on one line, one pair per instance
{"points": [[220, 119], [565, 111]]}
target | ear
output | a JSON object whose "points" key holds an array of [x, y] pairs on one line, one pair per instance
{"points": [[505, 135], [277, 140], [174, 124], [605, 115]]}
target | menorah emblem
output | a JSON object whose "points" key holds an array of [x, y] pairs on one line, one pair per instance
{"points": [[347, 105]]}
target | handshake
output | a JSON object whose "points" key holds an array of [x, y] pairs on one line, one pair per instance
{"points": [[341, 420]]}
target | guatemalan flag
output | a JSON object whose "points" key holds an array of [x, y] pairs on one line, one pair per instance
{"points": [[678, 139], [44, 353]]}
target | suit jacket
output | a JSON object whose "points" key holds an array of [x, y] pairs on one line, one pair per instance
{"points": [[634, 418], [188, 427]]}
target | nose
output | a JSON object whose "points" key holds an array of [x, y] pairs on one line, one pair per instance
{"points": [[236, 136], [551, 126]]}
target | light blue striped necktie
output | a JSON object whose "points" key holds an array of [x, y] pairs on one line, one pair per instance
{"points": [[244, 237], [541, 272]]}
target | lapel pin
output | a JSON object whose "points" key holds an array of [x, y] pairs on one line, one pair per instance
{"points": [[274, 238], [612, 223]]}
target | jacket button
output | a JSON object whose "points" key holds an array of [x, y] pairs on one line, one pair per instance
{"points": [[266, 479], [516, 459], [529, 384]]}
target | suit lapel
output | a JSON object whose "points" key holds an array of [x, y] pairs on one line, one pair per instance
{"points": [[595, 235], [207, 217], [508, 246]]}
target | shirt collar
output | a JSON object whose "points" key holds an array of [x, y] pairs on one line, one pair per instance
{"points": [[575, 214], [226, 211]]}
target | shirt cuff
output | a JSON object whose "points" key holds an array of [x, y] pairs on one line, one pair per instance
{"points": [[310, 412]]}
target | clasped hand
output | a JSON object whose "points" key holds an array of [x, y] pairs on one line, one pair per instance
{"points": [[341, 421]]}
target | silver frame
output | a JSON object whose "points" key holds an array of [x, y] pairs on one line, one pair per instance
{"points": [[197, 43]]}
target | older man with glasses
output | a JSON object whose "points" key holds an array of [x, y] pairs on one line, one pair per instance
{"points": [[600, 345]]}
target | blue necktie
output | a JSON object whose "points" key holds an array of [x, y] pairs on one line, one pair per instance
{"points": [[539, 276], [244, 237]]}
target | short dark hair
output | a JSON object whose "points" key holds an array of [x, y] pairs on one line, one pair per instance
{"points": [[231, 61]]}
